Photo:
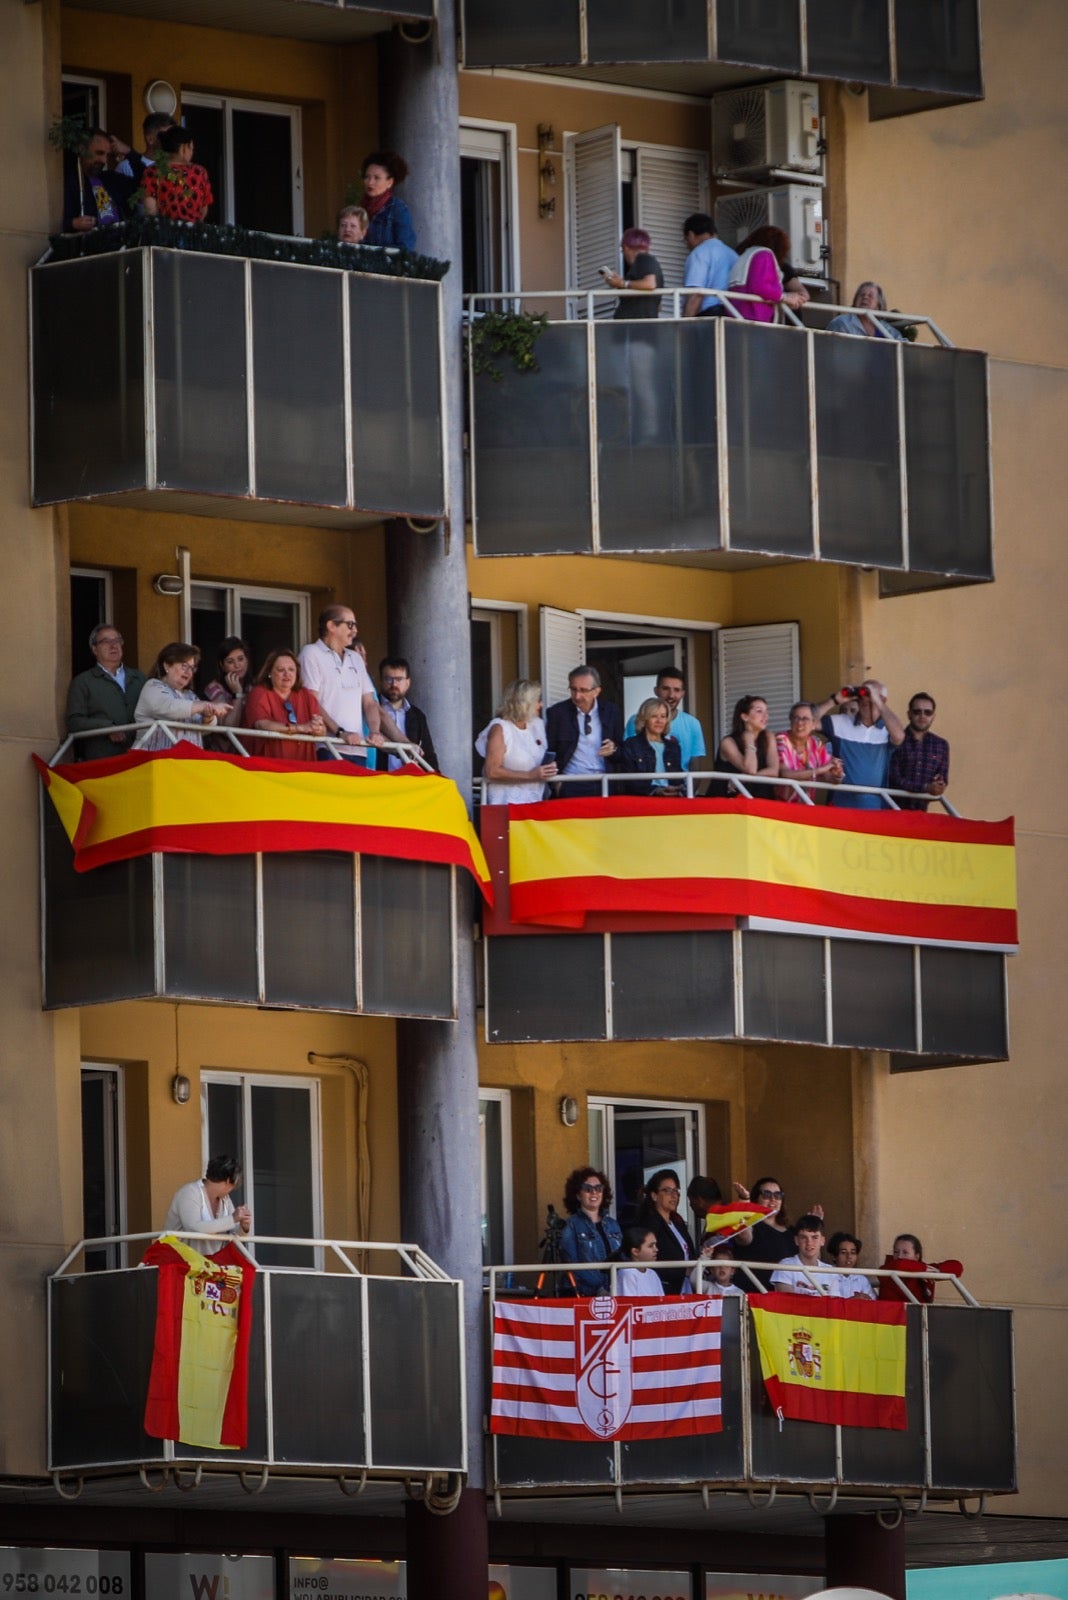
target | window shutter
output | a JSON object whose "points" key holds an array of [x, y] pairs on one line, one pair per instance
{"points": [[672, 184], [595, 215], [762, 660], [563, 646]]}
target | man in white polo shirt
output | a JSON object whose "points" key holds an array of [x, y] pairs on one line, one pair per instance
{"points": [[336, 674]]}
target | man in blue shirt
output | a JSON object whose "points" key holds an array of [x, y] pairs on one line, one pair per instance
{"points": [[584, 732], [862, 739], [671, 688], [708, 266]]}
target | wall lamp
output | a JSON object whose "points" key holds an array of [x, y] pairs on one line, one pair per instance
{"points": [[569, 1111], [168, 583], [546, 171], [181, 1089]]}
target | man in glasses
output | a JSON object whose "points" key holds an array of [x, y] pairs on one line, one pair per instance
{"points": [[105, 697], [334, 670], [394, 681], [585, 731], [921, 762]]}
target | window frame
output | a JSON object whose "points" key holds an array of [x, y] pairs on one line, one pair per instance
{"points": [[228, 104]]}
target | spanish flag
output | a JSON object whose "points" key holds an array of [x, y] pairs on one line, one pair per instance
{"points": [[198, 1386], [834, 1361], [197, 801], [895, 874], [723, 1222]]}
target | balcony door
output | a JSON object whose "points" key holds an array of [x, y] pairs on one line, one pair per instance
{"points": [[103, 1174], [487, 206], [626, 653], [271, 1124], [252, 149], [495, 1163], [266, 618], [631, 1139]]}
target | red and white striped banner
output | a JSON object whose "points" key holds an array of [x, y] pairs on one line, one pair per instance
{"points": [[607, 1368]]}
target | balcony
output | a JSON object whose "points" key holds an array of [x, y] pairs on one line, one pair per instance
{"points": [[913, 53], [327, 21], [174, 380], [721, 442], [351, 1370], [960, 1437], [760, 942]]}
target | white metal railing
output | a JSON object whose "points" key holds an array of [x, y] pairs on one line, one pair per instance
{"points": [[176, 731], [502, 1284], [411, 1256], [587, 303], [685, 785]]}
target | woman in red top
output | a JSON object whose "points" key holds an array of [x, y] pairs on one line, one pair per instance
{"points": [[176, 187], [280, 704]]}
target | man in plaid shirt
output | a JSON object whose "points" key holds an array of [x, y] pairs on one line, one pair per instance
{"points": [[921, 763]]}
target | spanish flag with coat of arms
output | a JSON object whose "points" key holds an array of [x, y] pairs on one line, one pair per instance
{"points": [[833, 1361]]}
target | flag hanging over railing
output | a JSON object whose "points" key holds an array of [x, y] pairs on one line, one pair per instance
{"points": [[905, 875], [607, 1368], [198, 1386], [836, 1361], [201, 802]]}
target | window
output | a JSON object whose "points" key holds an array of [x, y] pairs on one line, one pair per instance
{"points": [[266, 618], [86, 98], [495, 1151], [627, 653], [91, 602], [630, 1139], [498, 654], [271, 1124], [487, 207], [252, 149], [103, 1173]]}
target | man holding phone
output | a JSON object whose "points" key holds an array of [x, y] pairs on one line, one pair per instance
{"points": [[921, 762]]}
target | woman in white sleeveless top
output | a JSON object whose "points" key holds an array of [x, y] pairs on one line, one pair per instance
{"points": [[513, 746]]}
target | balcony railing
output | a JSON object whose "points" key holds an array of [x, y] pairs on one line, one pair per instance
{"points": [[929, 47], [179, 380], [354, 1370], [220, 927], [728, 441], [329, 21], [774, 976], [960, 1439]]}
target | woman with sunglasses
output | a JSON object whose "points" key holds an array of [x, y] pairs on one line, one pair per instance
{"points": [[589, 1234], [279, 703], [660, 1214], [773, 1239]]}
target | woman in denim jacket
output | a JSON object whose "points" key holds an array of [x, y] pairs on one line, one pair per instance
{"points": [[589, 1234]]}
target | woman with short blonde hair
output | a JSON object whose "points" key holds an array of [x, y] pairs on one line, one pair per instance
{"points": [[513, 747]]}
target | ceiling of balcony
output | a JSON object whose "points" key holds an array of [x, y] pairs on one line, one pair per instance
{"points": [[698, 78], [288, 19]]}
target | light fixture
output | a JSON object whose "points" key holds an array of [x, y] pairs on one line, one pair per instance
{"points": [[161, 96], [569, 1111], [168, 583], [546, 171], [181, 1089]]}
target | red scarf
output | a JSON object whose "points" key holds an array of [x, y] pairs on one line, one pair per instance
{"points": [[373, 204]]}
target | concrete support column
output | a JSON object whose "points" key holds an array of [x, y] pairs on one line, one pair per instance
{"points": [[428, 622], [862, 1554]]}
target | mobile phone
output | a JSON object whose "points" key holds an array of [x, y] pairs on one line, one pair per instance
{"points": [[550, 756], [606, 272]]}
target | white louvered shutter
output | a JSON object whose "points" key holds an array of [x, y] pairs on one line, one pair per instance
{"points": [[595, 210], [563, 646], [671, 185], [762, 660]]}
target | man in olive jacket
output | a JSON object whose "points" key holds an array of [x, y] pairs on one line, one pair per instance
{"points": [[103, 697]]}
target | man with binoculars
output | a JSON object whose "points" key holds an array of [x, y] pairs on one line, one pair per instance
{"points": [[862, 731]]}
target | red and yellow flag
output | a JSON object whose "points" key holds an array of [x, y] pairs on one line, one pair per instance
{"points": [[723, 1222], [197, 801], [836, 1361], [198, 1386], [907, 875]]}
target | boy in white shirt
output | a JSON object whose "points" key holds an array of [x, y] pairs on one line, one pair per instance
{"points": [[844, 1250], [809, 1238]]}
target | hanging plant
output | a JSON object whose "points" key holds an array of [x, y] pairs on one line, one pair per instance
{"points": [[68, 134], [504, 333]]}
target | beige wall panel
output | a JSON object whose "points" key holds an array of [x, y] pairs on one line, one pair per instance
{"points": [[336, 565], [1041, 1336], [513, 98], [955, 211], [799, 1127], [338, 85], [157, 1039]]}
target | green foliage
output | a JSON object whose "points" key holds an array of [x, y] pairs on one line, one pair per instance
{"points": [[504, 333], [68, 133]]}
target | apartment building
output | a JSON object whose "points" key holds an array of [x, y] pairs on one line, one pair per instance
{"points": [[197, 443]]}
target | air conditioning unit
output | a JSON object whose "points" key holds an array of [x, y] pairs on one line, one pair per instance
{"points": [[765, 126], [796, 208]]}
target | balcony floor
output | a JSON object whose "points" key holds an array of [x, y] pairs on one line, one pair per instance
{"points": [[285, 19]]}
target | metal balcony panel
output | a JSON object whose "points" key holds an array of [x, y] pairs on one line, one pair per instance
{"points": [[646, 30], [657, 435], [769, 446], [317, 1327], [973, 1398], [765, 33], [691, 974], [858, 443], [891, 1025], [848, 39], [938, 46], [209, 927], [414, 1335], [325, 21], [947, 447], [301, 891], [542, 35], [97, 935], [225, 386]]}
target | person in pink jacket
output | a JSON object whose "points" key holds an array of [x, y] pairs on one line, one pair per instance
{"points": [[758, 270]]}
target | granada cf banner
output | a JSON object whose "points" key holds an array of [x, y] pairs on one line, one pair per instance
{"points": [[907, 875], [187, 799], [198, 1385], [607, 1368], [837, 1361]]}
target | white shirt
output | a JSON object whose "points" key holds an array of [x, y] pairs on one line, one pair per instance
{"points": [[639, 1283], [855, 1286], [190, 1210], [339, 682], [797, 1283], [524, 749]]}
